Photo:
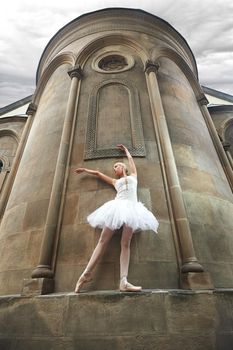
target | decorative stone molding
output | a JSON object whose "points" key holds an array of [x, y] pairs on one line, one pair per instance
{"points": [[202, 100], [226, 145], [151, 66], [31, 109], [111, 43], [65, 58], [105, 20], [112, 62], [137, 139], [11, 133], [76, 72]]}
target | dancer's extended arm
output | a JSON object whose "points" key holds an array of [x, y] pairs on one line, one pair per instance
{"points": [[97, 173], [132, 166]]}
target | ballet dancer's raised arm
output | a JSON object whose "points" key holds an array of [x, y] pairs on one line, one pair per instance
{"points": [[97, 173], [132, 166]]}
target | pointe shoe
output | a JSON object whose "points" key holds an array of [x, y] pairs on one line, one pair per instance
{"points": [[125, 286], [84, 278]]}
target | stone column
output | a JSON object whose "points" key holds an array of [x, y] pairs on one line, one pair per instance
{"points": [[191, 272], [202, 100], [7, 188], [45, 269], [226, 146]]}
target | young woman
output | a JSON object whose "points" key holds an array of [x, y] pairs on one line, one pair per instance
{"points": [[124, 211]]}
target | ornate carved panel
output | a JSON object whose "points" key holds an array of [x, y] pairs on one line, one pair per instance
{"points": [[114, 117]]}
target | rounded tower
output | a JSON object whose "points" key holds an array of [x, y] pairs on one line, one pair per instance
{"points": [[119, 76]]}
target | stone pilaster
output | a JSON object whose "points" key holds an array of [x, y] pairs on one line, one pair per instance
{"points": [[225, 161], [188, 264], [45, 268]]}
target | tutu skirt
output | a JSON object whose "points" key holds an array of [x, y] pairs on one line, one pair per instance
{"points": [[118, 212]]}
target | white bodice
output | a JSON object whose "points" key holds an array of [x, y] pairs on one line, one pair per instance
{"points": [[126, 188]]}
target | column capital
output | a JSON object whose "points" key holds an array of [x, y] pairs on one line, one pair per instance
{"points": [[31, 109], [151, 66], [202, 100], [76, 72], [226, 145]]}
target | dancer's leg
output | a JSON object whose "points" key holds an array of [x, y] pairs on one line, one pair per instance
{"points": [[98, 252], [127, 234]]}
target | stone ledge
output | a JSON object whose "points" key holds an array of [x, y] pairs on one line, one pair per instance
{"points": [[144, 292], [151, 319]]}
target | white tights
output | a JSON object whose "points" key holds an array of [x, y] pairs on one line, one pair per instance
{"points": [[102, 244]]}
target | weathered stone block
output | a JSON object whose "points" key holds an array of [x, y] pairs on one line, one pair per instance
{"points": [[76, 244], [193, 313], [154, 274], [157, 247], [197, 181], [195, 280], [35, 215], [37, 286], [114, 314], [168, 320]]}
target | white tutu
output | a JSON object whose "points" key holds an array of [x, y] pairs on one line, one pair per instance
{"points": [[124, 210]]}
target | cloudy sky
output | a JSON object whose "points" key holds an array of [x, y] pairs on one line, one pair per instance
{"points": [[26, 26]]}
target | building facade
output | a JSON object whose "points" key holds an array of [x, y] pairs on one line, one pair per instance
{"points": [[108, 77]]}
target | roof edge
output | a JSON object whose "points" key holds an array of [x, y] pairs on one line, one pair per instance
{"points": [[15, 105], [217, 93]]}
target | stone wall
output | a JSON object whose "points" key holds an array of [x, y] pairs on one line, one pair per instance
{"points": [[168, 320]]}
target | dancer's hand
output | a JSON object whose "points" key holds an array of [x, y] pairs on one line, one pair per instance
{"points": [[80, 170], [132, 166], [122, 147]]}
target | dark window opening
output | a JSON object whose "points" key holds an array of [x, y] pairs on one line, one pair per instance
{"points": [[112, 62]]}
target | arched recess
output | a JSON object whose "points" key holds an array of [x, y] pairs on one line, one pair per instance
{"points": [[64, 58], [8, 145], [112, 39], [107, 44], [130, 124], [191, 76], [11, 133]]}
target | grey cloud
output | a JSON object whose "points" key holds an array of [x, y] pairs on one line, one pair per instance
{"points": [[207, 27]]}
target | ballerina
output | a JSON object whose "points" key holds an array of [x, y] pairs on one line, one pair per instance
{"points": [[124, 211]]}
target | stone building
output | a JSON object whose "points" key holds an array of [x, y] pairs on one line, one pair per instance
{"points": [[117, 76]]}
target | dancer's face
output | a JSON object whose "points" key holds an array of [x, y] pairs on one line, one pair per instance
{"points": [[119, 169]]}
